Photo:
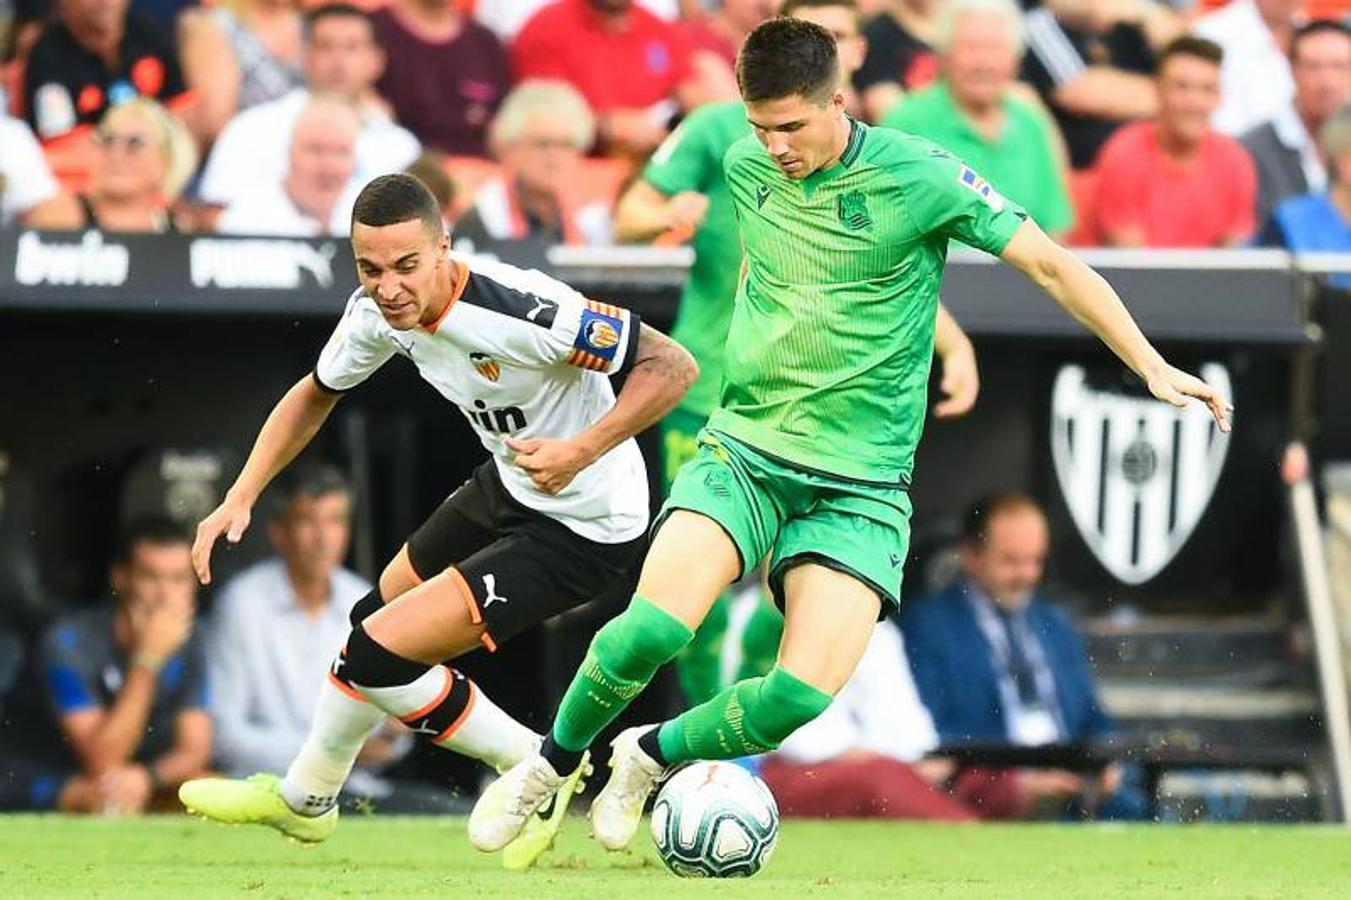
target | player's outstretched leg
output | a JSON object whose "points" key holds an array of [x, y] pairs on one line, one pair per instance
{"points": [[367, 683], [690, 563], [829, 620]]}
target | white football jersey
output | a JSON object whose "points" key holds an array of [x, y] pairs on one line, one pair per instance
{"points": [[522, 355]]}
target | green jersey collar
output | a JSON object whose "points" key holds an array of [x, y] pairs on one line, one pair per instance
{"points": [[852, 149]]}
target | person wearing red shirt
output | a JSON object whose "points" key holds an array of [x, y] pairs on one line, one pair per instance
{"points": [[1173, 181], [631, 67]]}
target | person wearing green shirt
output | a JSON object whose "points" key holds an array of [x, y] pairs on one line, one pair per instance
{"points": [[972, 111], [682, 189], [809, 455]]}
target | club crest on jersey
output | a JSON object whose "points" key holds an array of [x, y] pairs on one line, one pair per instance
{"points": [[853, 210], [761, 195], [1136, 474], [485, 365], [970, 180]]}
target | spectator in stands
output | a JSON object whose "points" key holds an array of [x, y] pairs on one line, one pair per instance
{"points": [[973, 113], [587, 42], [94, 56], [900, 55], [239, 55], [714, 39], [446, 74], [144, 158], [505, 18], [277, 625], [1320, 222], [1255, 81], [995, 662], [864, 756], [1285, 149], [341, 57], [316, 194], [540, 137], [28, 192], [1091, 62], [126, 683], [1174, 181]]}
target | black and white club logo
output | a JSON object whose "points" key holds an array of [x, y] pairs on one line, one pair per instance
{"points": [[1136, 474]]}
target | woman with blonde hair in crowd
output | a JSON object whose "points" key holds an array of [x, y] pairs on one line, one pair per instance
{"points": [[143, 158], [240, 53]]}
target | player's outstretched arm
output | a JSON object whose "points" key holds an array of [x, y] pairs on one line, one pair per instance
{"points": [[289, 427], [662, 372], [961, 375], [1088, 297]]}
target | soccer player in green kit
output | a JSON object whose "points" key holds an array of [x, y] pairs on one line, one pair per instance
{"points": [[683, 188], [809, 454]]}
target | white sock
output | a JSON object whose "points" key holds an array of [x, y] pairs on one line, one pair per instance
{"points": [[340, 727], [486, 732], [482, 731]]}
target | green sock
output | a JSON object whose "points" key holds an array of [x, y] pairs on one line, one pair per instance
{"points": [[622, 659], [751, 716]]}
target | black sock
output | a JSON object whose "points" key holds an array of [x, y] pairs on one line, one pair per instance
{"points": [[650, 745], [564, 762]]}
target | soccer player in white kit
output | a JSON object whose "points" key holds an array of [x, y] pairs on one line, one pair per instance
{"points": [[556, 517]]}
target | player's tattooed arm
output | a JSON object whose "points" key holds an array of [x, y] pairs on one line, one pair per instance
{"points": [[661, 374], [1088, 297]]}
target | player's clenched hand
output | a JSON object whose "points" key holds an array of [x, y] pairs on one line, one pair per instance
{"points": [[550, 463], [961, 382], [1172, 385], [229, 519]]}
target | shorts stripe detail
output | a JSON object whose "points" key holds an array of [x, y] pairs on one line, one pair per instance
{"points": [[347, 688], [487, 641], [440, 698], [460, 719], [457, 578]]}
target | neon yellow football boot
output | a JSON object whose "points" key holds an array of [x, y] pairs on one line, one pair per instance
{"points": [[255, 800], [541, 830]]}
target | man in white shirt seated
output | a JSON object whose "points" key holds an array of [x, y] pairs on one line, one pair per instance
{"points": [[540, 136], [864, 756], [341, 57], [276, 626], [315, 194]]}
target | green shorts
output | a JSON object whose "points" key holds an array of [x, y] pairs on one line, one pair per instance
{"points": [[795, 515]]}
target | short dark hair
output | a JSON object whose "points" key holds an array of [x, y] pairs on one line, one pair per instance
{"points": [[787, 57], [430, 169], [307, 479], [1313, 29], [1188, 45], [158, 531], [335, 11], [391, 199], [976, 522], [792, 7]]}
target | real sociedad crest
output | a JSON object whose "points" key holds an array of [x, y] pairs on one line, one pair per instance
{"points": [[1136, 474]]}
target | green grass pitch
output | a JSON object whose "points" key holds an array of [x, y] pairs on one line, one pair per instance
{"points": [[394, 857]]}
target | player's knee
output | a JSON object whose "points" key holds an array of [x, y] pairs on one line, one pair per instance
{"points": [[783, 704], [640, 640], [369, 665], [368, 605]]}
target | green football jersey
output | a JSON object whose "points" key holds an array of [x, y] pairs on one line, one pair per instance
{"points": [[691, 160], [827, 358]]}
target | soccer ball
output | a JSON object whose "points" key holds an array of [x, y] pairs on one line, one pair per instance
{"points": [[715, 820]]}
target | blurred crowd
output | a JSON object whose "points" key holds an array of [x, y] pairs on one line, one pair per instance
{"points": [[1134, 123]]}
